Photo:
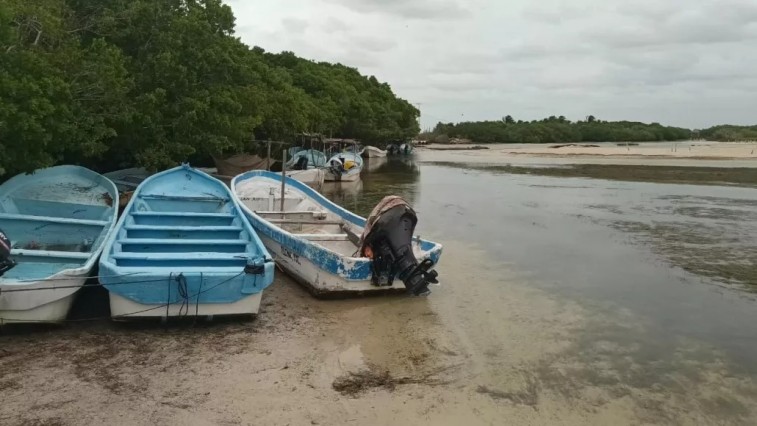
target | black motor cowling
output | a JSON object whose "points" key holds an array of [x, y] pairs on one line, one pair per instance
{"points": [[6, 262], [301, 164], [389, 241]]}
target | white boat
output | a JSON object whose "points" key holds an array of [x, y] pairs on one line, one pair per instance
{"points": [[373, 152], [344, 167], [319, 243], [55, 222], [311, 177]]}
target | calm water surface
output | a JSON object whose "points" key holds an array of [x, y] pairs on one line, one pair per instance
{"points": [[678, 259]]}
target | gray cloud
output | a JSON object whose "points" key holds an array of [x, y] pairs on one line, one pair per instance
{"points": [[415, 9], [295, 25]]}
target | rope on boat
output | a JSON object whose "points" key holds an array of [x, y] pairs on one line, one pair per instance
{"points": [[166, 305]]}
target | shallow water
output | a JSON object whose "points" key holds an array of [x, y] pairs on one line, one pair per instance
{"points": [[665, 274]]}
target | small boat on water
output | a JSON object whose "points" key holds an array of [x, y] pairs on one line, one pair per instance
{"points": [[401, 149], [373, 152], [127, 180], [183, 247], [306, 159], [344, 167], [54, 223], [331, 250]]}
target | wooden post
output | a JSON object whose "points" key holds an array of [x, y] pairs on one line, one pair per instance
{"points": [[283, 177], [268, 158]]}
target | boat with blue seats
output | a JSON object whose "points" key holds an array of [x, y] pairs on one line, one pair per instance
{"points": [[330, 250], [53, 224], [183, 247]]}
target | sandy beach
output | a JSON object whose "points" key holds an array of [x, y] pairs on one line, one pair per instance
{"points": [[695, 153]]}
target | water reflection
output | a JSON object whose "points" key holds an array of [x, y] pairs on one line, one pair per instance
{"points": [[660, 251]]}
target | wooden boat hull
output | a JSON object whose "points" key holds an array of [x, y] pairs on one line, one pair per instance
{"points": [[320, 258], [184, 248], [57, 220]]}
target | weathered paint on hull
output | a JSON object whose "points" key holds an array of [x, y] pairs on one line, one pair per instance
{"points": [[319, 282], [122, 308], [51, 312]]}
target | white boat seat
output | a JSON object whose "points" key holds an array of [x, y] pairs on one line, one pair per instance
{"points": [[52, 254], [304, 221], [293, 212], [51, 219], [324, 237]]}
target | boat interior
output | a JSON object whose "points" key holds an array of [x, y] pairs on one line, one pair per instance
{"points": [[54, 224], [302, 216], [176, 223]]}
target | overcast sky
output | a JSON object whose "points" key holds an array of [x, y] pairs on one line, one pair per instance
{"points": [[690, 63]]}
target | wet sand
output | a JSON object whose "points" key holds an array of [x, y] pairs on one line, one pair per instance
{"points": [[469, 354], [682, 154], [579, 307]]}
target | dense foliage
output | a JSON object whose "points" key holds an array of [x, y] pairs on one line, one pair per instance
{"points": [[728, 133], [114, 83], [557, 130]]}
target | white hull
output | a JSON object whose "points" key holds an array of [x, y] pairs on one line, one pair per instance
{"points": [[311, 177], [373, 152], [35, 306], [319, 281], [352, 177], [122, 308]]}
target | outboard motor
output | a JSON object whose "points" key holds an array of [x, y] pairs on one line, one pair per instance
{"points": [[6, 263], [389, 243], [337, 168], [301, 164]]}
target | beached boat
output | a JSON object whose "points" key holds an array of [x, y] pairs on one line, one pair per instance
{"points": [[373, 152], [322, 245], [345, 166], [127, 180], [183, 247], [55, 222]]}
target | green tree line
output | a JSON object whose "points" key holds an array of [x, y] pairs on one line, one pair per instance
{"points": [[116, 83], [557, 130]]}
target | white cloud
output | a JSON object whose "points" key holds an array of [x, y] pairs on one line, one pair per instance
{"points": [[680, 62]]}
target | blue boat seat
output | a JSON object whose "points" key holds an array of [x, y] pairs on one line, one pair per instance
{"points": [[182, 228], [51, 219]]}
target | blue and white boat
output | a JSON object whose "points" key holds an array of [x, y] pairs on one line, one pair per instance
{"points": [[56, 221], [183, 247], [344, 167], [319, 243]]}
